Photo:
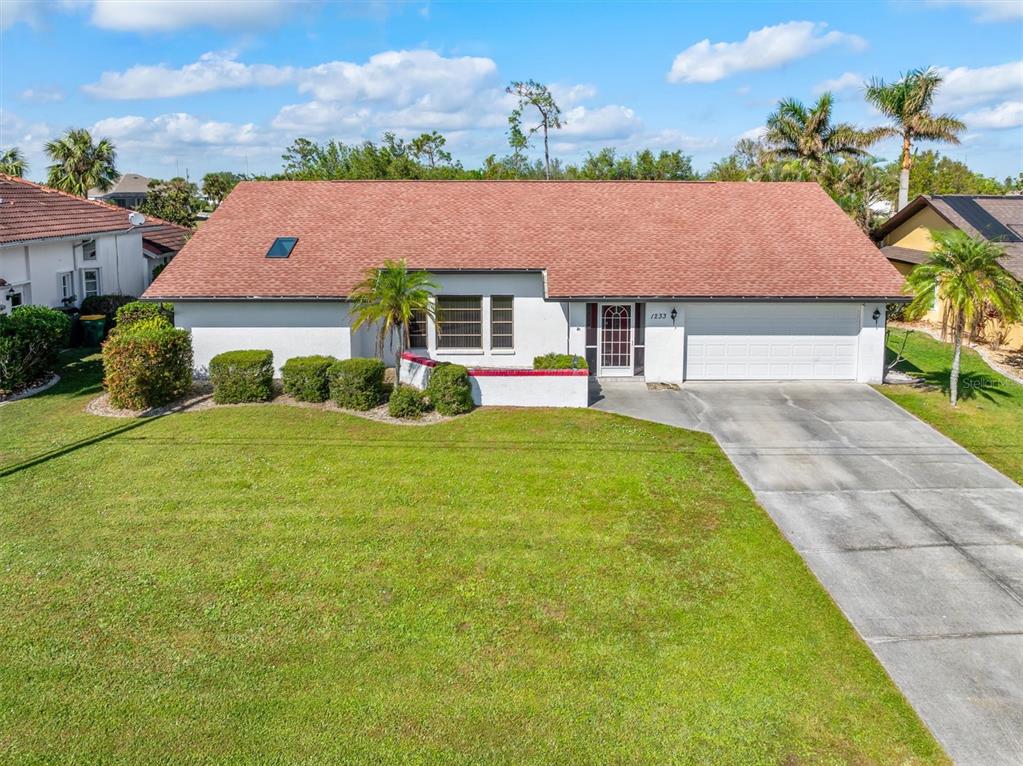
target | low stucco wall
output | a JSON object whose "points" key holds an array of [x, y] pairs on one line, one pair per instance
{"points": [[510, 388]]}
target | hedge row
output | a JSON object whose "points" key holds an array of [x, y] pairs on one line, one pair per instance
{"points": [[242, 376], [305, 377], [554, 361], [357, 384], [449, 389], [30, 339]]}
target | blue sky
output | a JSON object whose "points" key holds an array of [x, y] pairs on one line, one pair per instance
{"points": [[225, 85]]}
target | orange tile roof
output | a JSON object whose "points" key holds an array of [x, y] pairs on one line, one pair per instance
{"points": [[756, 240]]}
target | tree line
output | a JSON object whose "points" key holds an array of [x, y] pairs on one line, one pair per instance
{"points": [[800, 143]]}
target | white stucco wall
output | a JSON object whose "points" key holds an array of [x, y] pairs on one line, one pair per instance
{"points": [[540, 326], [530, 390], [870, 366], [665, 342], [287, 328], [35, 268]]}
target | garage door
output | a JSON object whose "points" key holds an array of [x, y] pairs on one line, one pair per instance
{"points": [[763, 341]]}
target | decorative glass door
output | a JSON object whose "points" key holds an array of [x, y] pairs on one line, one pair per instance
{"points": [[616, 339]]}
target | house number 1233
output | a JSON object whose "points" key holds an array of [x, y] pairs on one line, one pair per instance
{"points": [[659, 316]]}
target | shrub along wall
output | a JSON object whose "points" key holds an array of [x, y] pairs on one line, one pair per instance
{"points": [[147, 363], [357, 384], [305, 377], [449, 389], [136, 311], [554, 361], [30, 339], [242, 376]]}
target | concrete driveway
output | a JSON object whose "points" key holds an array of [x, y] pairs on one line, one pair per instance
{"points": [[919, 542]]}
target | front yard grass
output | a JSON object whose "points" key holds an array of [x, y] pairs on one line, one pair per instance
{"points": [[989, 418], [267, 584]]}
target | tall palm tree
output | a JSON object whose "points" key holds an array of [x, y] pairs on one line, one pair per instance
{"points": [[79, 164], [795, 131], [964, 274], [12, 162], [907, 103], [389, 297]]}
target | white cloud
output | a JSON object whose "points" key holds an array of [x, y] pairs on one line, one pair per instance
{"points": [[44, 95], [765, 48], [964, 87], [754, 134], [29, 12], [175, 130], [844, 82], [213, 71], [170, 15], [1005, 115], [600, 124], [988, 10]]}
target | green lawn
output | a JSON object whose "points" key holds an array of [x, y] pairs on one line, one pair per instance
{"points": [[989, 418], [270, 584]]}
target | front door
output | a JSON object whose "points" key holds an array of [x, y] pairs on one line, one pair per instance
{"points": [[615, 356]]}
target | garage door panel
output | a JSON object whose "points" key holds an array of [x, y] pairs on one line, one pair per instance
{"points": [[772, 342]]}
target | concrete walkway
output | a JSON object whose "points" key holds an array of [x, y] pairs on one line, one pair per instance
{"points": [[919, 542]]}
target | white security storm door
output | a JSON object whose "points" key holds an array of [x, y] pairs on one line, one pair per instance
{"points": [[772, 341], [616, 339]]}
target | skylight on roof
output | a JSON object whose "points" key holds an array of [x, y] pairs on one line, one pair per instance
{"points": [[282, 247]]}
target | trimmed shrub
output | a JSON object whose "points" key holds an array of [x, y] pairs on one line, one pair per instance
{"points": [[305, 377], [554, 361], [30, 339], [242, 376], [357, 384], [147, 363], [407, 402], [136, 311], [449, 390], [105, 304]]}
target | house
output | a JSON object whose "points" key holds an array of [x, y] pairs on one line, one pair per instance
{"points": [[57, 249], [129, 191], [665, 281], [905, 239]]}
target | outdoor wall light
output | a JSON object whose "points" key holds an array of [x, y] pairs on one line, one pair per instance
{"points": [[10, 294], [876, 315], [674, 314]]}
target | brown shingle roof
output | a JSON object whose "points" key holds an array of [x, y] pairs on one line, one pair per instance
{"points": [[166, 237], [592, 238], [996, 218], [905, 254]]}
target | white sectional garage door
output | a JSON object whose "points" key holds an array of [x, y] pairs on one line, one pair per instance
{"points": [[771, 341]]}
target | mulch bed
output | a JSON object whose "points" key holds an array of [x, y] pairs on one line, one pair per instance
{"points": [[201, 398], [35, 387]]}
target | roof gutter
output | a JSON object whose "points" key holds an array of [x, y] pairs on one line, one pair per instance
{"points": [[81, 235], [689, 298]]}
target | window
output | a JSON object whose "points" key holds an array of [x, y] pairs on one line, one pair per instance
{"points": [[460, 322], [66, 287], [282, 247], [417, 329], [89, 250], [502, 322], [90, 282]]}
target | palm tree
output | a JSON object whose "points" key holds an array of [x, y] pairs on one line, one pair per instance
{"points": [[12, 162], [797, 132], [964, 274], [389, 297], [79, 164], [907, 103]]}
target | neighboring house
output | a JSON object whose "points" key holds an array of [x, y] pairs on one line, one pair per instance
{"points": [[664, 281], [57, 249], [129, 191], [906, 239]]}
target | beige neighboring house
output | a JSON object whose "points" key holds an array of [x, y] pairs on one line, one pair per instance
{"points": [[906, 240], [129, 191]]}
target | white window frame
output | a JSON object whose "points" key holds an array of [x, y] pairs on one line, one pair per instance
{"points": [[88, 246], [65, 285], [510, 348], [99, 283], [477, 349]]}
